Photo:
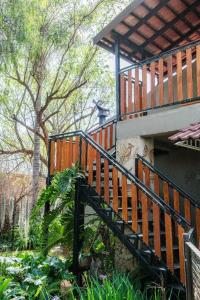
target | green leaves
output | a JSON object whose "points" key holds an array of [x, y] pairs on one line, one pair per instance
{"points": [[59, 220]]}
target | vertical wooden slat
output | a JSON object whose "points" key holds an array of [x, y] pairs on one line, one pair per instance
{"points": [[124, 199], [187, 210], [76, 150], [161, 86], [197, 217], [134, 204], [145, 223], [181, 254], [90, 164], [140, 170], [63, 156], [176, 200], [83, 154], [70, 151], [67, 149], [144, 87], [168, 231], [198, 68], [106, 180], [170, 79], [123, 94], [115, 189], [153, 94], [156, 219], [58, 156], [101, 137], [130, 103], [98, 172], [137, 91], [52, 158], [106, 138], [176, 205], [179, 76], [111, 136], [189, 73]]}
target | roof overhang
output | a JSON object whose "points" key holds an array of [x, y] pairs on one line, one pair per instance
{"points": [[147, 28]]}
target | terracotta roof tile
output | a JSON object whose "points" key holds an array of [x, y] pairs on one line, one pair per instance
{"points": [[191, 132]]}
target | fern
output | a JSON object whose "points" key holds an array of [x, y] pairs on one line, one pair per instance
{"points": [[60, 194]]}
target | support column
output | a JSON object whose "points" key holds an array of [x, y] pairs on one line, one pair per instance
{"points": [[117, 78], [78, 232]]}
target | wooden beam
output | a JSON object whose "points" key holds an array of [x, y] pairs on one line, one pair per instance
{"points": [[151, 13], [168, 25]]}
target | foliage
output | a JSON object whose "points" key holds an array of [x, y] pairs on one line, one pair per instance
{"points": [[32, 277], [58, 222], [118, 287]]}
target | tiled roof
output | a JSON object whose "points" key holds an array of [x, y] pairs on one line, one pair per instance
{"points": [[191, 132]]}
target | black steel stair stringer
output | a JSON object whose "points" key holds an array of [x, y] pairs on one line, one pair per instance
{"points": [[149, 261]]}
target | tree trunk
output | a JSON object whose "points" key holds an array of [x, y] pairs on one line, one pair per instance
{"points": [[36, 152]]}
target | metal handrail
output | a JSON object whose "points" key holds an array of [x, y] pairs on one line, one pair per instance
{"points": [[167, 179], [161, 55], [99, 127], [157, 199]]}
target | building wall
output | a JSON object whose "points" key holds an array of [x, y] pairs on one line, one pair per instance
{"points": [[183, 166]]}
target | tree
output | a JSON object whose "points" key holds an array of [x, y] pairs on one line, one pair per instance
{"points": [[50, 73]]}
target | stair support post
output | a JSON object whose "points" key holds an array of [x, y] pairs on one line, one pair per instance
{"points": [[78, 232]]}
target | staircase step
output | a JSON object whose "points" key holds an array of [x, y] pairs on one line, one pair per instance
{"points": [[140, 235], [163, 249]]}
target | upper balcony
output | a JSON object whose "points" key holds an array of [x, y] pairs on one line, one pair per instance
{"points": [[160, 40]]}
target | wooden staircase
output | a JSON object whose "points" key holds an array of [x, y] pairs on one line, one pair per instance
{"points": [[145, 222]]}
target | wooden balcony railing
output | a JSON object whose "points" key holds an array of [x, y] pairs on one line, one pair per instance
{"points": [[169, 79]]}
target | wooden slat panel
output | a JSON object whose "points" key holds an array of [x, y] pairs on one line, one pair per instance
{"points": [[153, 94], [83, 154], [52, 158], [189, 73], [94, 150], [137, 91], [115, 189], [181, 253], [58, 155], [106, 180], [130, 103], [106, 138], [198, 69], [134, 204], [123, 94], [124, 199], [156, 220], [144, 87], [179, 76], [187, 210], [170, 79], [111, 136], [98, 173], [197, 217], [161, 87], [168, 231], [90, 164], [145, 222]]}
